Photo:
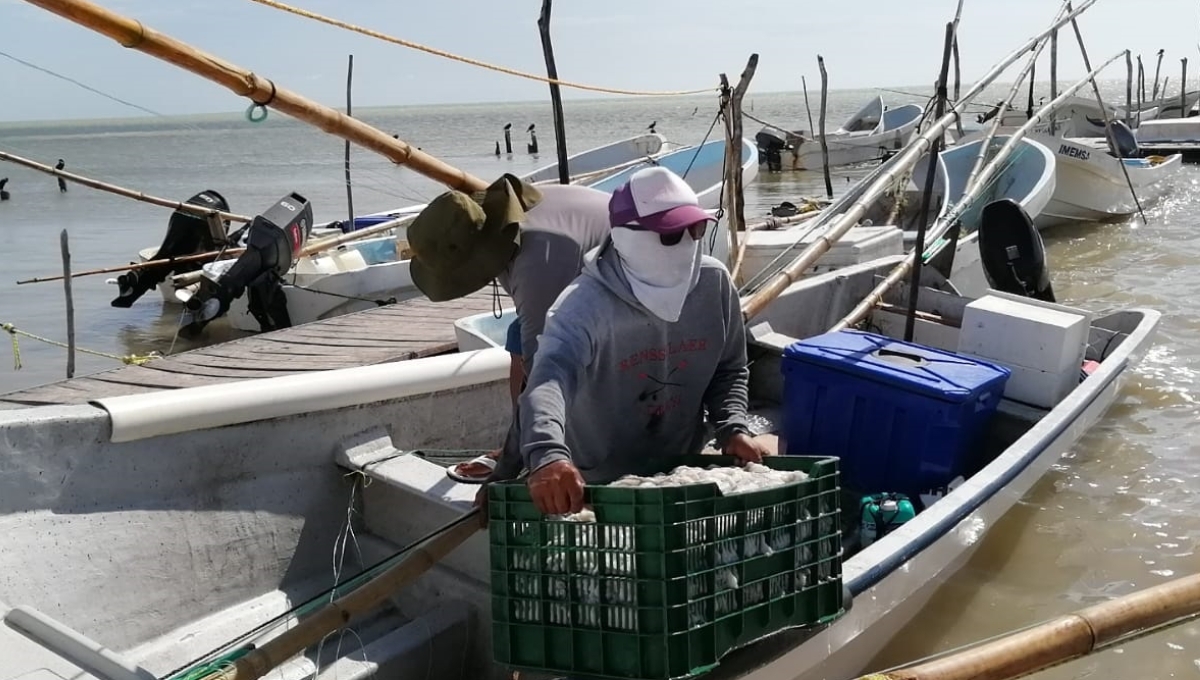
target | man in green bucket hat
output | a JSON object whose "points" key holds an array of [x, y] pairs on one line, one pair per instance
{"points": [[531, 240]]}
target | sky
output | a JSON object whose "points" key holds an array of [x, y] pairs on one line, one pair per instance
{"points": [[627, 44]]}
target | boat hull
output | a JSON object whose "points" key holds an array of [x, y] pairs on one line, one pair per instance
{"points": [[1091, 186], [879, 612]]}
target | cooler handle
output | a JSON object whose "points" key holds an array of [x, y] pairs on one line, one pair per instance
{"points": [[896, 357]]}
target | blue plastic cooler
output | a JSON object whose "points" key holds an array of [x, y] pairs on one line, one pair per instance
{"points": [[901, 416]]}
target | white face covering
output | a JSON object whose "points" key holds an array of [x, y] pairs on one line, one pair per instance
{"points": [[661, 276]]}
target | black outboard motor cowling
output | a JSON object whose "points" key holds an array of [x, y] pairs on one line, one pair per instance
{"points": [[771, 145], [1125, 140], [187, 234], [1014, 258], [273, 241]]}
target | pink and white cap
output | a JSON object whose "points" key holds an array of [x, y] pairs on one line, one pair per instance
{"points": [[655, 199]]}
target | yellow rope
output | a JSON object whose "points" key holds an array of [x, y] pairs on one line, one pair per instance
{"points": [[467, 60], [13, 331]]}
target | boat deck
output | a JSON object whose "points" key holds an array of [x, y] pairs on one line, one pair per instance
{"points": [[410, 329], [1190, 150]]}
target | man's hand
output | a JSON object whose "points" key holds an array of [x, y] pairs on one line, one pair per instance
{"points": [[745, 448], [557, 488]]}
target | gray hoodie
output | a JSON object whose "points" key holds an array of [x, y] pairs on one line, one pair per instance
{"points": [[615, 390]]}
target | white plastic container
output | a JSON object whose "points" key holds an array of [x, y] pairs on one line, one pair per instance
{"points": [[860, 244], [484, 330], [1043, 344]]}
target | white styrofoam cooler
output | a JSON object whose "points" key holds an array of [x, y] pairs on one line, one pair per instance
{"points": [[1043, 344], [858, 245]]}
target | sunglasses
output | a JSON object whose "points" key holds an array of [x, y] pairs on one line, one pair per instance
{"points": [[697, 231]]}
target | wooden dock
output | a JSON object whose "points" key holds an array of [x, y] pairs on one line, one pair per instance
{"points": [[406, 330]]}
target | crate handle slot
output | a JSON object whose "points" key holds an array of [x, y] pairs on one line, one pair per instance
{"points": [[897, 357]]}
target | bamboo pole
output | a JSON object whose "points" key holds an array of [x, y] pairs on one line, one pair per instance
{"points": [[824, 142], [121, 191], [1108, 131], [1064, 638], [309, 249], [316, 246], [927, 195], [349, 186], [1005, 104], [263, 92], [846, 212], [560, 126], [736, 198], [64, 242], [340, 612], [864, 307]]}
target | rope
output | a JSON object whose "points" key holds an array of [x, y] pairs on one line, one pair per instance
{"points": [[379, 302], [129, 360], [467, 60]]}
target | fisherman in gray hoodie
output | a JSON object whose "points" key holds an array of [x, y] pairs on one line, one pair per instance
{"points": [[633, 352]]}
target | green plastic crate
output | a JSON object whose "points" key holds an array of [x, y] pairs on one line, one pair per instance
{"points": [[666, 581]]}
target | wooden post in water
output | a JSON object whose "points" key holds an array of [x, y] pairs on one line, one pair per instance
{"points": [[1141, 90], [735, 196], [1183, 90], [824, 143], [1157, 69], [560, 126], [927, 192], [64, 242], [807, 108], [1053, 77], [1128, 89], [958, 126], [1032, 80], [349, 186]]}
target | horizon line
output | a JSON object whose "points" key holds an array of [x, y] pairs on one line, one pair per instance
{"points": [[585, 98]]}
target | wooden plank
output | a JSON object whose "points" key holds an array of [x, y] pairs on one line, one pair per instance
{"points": [[282, 365], [102, 388], [53, 393], [410, 339], [281, 351], [384, 328], [415, 336], [159, 379], [301, 344]]}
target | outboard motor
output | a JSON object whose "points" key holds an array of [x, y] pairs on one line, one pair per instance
{"points": [[187, 234], [273, 241], [1124, 140], [1014, 258], [771, 145]]}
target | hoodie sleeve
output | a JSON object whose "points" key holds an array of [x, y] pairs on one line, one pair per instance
{"points": [[564, 354], [727, 395]]}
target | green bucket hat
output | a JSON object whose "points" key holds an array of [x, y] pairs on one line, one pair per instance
{"points": [[461, 241]]}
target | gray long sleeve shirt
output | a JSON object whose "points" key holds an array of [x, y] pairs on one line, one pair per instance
{"points": [[615, 390], [556, 234]]}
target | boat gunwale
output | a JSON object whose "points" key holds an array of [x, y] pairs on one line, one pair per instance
{"points": [[955, 507]]}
